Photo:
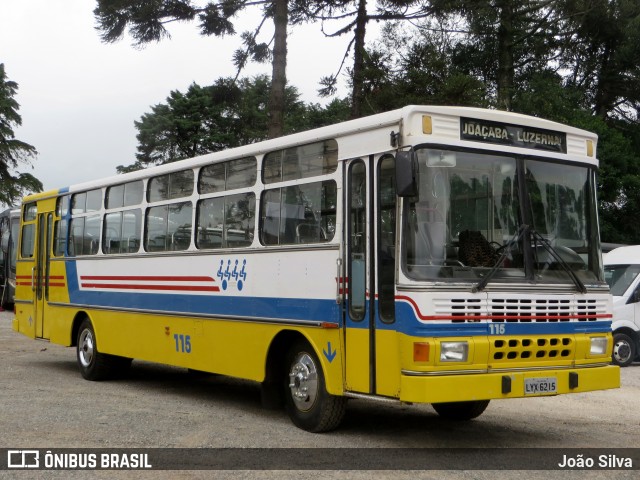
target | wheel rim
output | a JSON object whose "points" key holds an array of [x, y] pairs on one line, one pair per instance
{"points": [[621, 351], [303, 382], [86, 348]]}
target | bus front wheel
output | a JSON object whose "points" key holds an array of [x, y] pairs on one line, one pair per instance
{"points": [[308, 403], [461, 410], [93, 364]]}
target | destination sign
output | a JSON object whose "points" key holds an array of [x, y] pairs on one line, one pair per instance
{"points": [[476, 130]]}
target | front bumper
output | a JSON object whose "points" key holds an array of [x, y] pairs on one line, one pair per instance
{"points": [[421, 388]]}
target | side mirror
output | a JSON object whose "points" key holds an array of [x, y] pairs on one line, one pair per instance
{"points": [[406, 166]]}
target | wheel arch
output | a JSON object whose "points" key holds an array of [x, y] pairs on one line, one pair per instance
{"points": [[277, 351], [79, 317], [275, 365]]}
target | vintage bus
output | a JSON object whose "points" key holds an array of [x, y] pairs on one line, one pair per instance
{"points": [[9, 224], [437, 255]]}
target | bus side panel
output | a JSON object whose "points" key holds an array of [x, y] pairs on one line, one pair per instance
{"points": [[217, 313], [60, 320], [233, 348], [387, 362], [24, 321]]}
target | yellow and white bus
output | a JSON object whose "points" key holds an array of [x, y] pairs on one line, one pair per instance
{"points": [[430, 254]]}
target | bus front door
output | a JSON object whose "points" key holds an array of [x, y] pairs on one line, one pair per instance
{"points": [[359, 350], [370, 348]]}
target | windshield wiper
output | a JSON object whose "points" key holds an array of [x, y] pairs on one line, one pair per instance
{"points": [[565, 266], [507, 250]]}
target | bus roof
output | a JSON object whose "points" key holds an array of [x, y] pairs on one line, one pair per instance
{"points": [[11, 212], [408, 119]]}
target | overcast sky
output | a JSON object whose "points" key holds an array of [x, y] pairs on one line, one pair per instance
{"points": [[79, 98]]}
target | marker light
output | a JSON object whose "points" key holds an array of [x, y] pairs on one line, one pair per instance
{"points": [[590, 149], [427, 125], [420, 352], [454, 351], [598, 346]]}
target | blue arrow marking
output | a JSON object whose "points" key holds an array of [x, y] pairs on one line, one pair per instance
{"points": [[330, 354]]}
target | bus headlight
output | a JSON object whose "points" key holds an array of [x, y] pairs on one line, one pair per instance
{"points": [[598, 346], [454, 351]]}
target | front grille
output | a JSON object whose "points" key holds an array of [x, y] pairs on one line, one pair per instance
{"points": [[531, 348], [519, 310]]}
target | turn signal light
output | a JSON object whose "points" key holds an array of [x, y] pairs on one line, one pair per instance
{"points": [[420, 352]]}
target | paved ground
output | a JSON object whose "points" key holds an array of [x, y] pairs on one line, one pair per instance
{"points": [[45, 403]]}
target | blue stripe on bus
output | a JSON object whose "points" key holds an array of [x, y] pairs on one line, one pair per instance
{"points": [[435, 329], [324, 310]]}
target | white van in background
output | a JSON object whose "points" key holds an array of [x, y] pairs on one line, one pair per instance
{"points": [[621, 271]]}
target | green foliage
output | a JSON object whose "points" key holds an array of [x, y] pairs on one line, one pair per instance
{"points": [[224, 115], [603, 55], [418, 69], [13, 152], [146, 20]]}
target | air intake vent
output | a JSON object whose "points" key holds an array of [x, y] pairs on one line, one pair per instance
{"points": [[520, 310], [531, 348]]}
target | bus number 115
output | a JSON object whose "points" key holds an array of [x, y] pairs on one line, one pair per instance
{"points": [[183, 343]]}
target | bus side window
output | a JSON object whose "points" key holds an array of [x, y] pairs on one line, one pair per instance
{"points": [[60, 238], [28, 241]]}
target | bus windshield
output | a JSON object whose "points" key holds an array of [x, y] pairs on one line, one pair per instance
{"points": [[519, 218]]}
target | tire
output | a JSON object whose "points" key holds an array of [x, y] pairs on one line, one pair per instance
{"points": [[94, 365], [307, 402], [461, 411], [624, 349]]}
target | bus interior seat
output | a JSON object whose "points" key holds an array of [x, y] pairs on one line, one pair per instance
{"points": [[310, 233]]}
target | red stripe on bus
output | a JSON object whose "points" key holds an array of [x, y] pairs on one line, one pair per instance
{"points": [[129, 286], [148, 278]]}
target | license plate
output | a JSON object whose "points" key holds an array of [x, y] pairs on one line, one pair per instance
{"points": [[540, 385]]}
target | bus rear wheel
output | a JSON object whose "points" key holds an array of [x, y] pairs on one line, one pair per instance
{"points": [[308, 403], [93, 364], [461, 411]]}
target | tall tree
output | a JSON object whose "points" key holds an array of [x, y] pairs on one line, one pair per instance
{"points": [[604, 54], [13, 152], [146, 22], [420, 67], [356, 15], [505, 40], [279, 69]]}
